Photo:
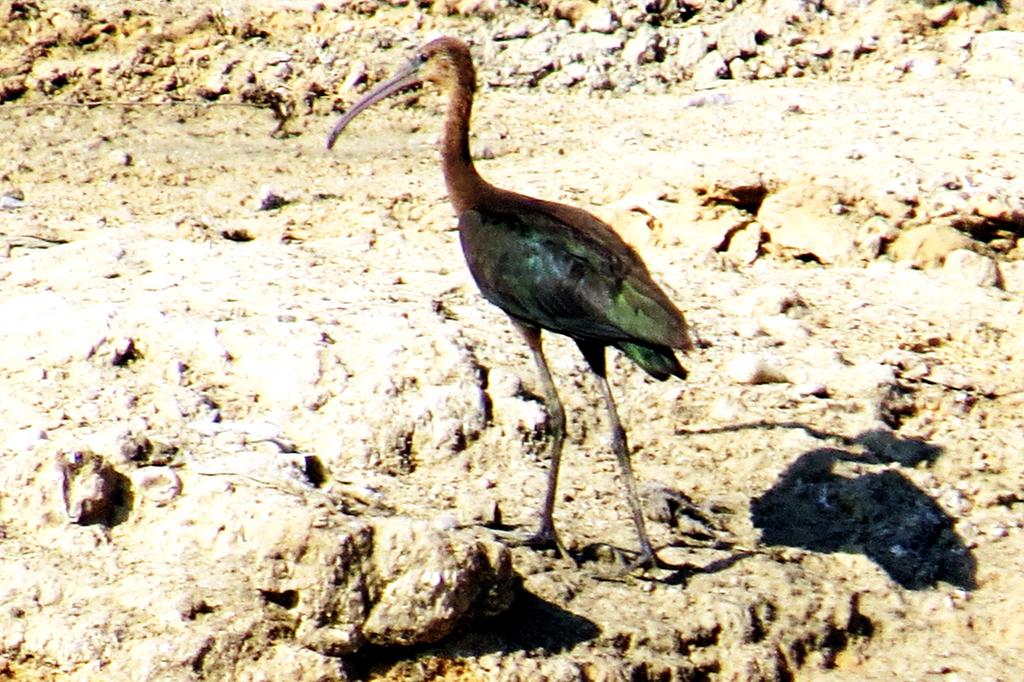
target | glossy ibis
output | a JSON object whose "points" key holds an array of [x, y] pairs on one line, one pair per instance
{"points": [[549, 267]]}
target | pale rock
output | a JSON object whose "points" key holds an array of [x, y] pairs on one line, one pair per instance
{"points": [[753, 369], [736, 36], [940, 15], [692, 47], [429, 583], [709, 70], [951, 378], [356, 76], [784, 327], [967, 267], [996, 54], [740, 70], [725, 410], [233, 559], [119, 158], [873, 235], [998, 206], [867, 377], [765, 300], [24, 440], [158, 484], [811, 388], [216, 84], [478, 508], [598, 19], [921, 66], [927, 246], [745, 244], [571, 74], [800, 222], [643, 47], [88, 485], [45, 328], [956, 40]]}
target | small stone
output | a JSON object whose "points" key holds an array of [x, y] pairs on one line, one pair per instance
{"points": [[598, 20], [801, 224], [119, 157], [516, 31], [24, 440], [811, 388], [356, 76], [479, 508], [873, 235], [708, 70], [271, 200], [12, 199], [736, 38], [753, 369], [940, 15], [89, 487], [644, 47], [745, 245], [769, 299], [445, 522], [692, 47], [928, 245], [996, 54], [972, 268], [158, 484], [784, 327], [574, 73]]}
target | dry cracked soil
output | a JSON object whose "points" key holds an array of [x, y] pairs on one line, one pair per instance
{"points": [[257, 423]]}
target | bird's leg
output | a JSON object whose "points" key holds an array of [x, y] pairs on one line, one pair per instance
{"points": [[595, 357], [546, 535]]}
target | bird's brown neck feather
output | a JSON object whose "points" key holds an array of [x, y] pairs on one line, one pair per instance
{"points": [[465, 186]]}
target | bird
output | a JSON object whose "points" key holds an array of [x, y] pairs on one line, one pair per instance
{"points": [[550, 267]]}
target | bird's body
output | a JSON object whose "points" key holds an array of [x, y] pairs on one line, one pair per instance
{"points": [[531, 259], [549, 267]]}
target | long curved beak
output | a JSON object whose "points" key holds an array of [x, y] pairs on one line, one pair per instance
{"points": [[406, 77]]}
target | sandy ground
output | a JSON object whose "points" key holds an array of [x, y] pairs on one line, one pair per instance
{"points": [[859, 520]]}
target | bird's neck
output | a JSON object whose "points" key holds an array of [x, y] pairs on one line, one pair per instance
{"points": [[465, 186]]}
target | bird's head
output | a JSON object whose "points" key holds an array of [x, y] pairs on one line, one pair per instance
{"points": [[443, 61]]}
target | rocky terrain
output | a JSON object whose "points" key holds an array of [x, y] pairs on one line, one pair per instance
{"points": [[257, 424]]}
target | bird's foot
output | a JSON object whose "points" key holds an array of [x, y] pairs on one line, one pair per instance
{"points": [[543, 539], [547, 538], [629, 563]]}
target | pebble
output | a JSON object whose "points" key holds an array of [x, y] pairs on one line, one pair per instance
{"points": [[271, 200], [811, 388], [968, 267], [709, 70], [691, 48], [784, 327], [119, 157], [598, 20], [356, 76], [158, 484], [753, 369], [12, 199], [644, 47], [24, 440], [772, 299], [478, 508], [89, 487]]}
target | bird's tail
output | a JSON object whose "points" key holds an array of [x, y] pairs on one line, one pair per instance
{"points": [[658, 361]]}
